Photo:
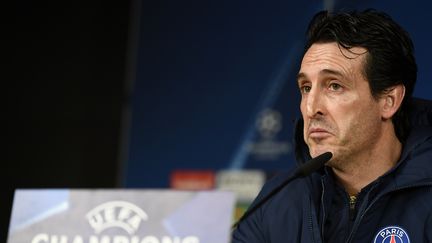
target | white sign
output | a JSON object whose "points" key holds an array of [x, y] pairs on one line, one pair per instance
{"points": [[121, 216]]}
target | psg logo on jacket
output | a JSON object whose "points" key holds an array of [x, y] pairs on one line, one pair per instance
{"points": [[392, 234]]}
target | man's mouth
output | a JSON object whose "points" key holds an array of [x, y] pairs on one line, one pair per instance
{"points": [[318, 133]]}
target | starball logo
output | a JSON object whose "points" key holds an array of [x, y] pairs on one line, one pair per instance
{"points": [[114, 215], [268, 146]]}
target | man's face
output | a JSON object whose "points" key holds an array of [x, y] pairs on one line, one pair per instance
{"points": [[340, 115]]}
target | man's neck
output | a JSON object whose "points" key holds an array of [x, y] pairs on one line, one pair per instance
{"points": [[369, 166]]}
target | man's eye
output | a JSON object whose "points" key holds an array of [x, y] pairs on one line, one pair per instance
{"points": [[335, 86], [305, 89]]}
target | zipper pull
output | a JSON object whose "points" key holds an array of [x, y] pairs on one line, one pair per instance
{"points": [[352, 205]]}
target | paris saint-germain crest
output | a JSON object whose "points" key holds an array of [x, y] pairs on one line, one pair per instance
{"points": [[392, 234]]}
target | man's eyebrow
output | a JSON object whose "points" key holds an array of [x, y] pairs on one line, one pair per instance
{"points": [[301, 76], [324, 71]]}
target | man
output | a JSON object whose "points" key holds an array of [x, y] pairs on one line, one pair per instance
{"points": [[356, 80]]}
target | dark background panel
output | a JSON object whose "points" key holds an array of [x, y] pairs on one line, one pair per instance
{"points": [[65, 99], [205, 70]]}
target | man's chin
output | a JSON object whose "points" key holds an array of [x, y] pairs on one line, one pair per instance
{"points": [[318, 151]]}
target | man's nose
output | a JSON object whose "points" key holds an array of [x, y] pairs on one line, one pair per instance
{"points": [[314, 103]]}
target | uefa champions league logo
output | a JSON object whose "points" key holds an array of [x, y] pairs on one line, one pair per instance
{"points": [[267, 146], [120, 214]]}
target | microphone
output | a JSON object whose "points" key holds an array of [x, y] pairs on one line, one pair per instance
{"points": [[302, 171]]}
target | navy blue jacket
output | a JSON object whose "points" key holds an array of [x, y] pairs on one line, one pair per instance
{"points": [[397, 207]]}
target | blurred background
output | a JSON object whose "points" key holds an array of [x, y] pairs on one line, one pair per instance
{"points": [[191, 95]]}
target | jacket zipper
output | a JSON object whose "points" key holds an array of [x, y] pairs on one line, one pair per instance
{"points": [[359, 219], [352, 204], [352, 207], [323, 209], [315, 230], [311, 226]]}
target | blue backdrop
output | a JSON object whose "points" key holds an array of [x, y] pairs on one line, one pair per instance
{"points": [[214, 86]]}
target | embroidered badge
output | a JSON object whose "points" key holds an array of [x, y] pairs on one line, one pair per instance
{"points": [[392, 234]]}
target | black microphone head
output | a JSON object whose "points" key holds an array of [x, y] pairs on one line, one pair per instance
{"points": [[314, 164]]}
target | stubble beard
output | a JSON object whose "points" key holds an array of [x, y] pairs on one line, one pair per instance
{"points": [[350, 150]]}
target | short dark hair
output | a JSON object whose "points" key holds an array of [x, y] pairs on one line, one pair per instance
{"points": [[390, 58]]}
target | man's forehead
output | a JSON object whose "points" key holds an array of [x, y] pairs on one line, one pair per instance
{"points": [[332, 59], [337, 49]]}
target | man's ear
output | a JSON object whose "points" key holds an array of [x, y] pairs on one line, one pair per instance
{"points": [[391, 100]]}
